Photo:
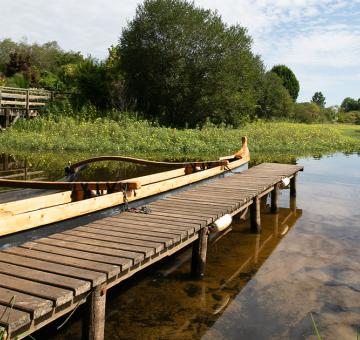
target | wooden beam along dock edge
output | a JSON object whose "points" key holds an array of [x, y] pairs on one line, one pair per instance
{"points": [[48, 277]]}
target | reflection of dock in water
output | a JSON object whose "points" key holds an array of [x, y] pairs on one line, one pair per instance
{"points": [[12, 168], [232, 262]]}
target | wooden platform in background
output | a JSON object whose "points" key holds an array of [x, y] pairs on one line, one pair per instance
{"points": [[48, 277]]}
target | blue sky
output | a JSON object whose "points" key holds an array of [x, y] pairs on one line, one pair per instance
{"points": [[318, 39]]}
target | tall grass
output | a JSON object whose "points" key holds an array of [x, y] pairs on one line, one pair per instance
{"points": [[143, 139]]}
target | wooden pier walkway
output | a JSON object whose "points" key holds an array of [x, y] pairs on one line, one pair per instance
{"points": [[49, 277]]}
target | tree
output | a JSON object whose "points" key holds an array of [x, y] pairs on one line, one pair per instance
{"points": [[275, 100], [350, 104], [183, 65], [289, 79], [319, 99]]}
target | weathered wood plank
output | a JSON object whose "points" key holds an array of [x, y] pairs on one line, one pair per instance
{"points": [[99, 228], [114, 245], [13, 319], [157, 224], [159, 230], [34, 305], [171, 222], [134, 256], [67, 269], [65, 256], [78, 286], [58, 295], [157, 246]]}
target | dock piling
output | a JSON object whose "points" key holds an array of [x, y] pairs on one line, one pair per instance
{"points": [[199, 252], [293, 185], [255, 219], [94, 323], [275, 199]]}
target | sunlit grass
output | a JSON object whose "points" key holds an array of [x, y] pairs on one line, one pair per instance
{"points": [[142, 139]]}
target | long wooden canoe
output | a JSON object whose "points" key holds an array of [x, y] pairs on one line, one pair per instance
{"points": [[80, 198]]}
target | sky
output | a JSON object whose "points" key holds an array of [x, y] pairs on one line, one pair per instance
{"points": [[318, 39]]}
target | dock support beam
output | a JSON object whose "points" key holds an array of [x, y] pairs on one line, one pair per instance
{"points": [[275, 199], [255, 220], [94, 324], [199, 252], [293, 186]]}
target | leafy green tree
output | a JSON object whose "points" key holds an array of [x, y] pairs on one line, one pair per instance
{"points": [[36, 62], [289, 79], [319, 99], [183, 65], [350, 104], [310, 113], [90, 80], [275, 100]]}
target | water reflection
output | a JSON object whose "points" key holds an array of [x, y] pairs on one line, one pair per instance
{"points": [[165, 302], [51, 167]]}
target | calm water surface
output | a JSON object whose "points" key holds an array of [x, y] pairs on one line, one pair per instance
{"points": [[306, 262]]}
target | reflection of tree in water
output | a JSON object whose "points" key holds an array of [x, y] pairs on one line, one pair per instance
{"points": [[53, 164]]}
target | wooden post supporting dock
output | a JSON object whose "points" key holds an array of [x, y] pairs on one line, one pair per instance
{"points": [[275, 199], [199, 252], [255, 219], [94, 322], [293, 186]]}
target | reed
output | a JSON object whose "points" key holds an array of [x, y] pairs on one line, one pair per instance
{"points": [[144, 139]]}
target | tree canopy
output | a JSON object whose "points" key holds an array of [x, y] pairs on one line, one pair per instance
{"points": [[275, 100], [319, 99], [289, 79], [183, 64], [350, 104]]}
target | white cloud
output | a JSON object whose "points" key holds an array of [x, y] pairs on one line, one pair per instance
{"points": [[318, 39]]}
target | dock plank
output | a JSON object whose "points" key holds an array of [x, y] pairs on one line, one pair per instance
{"points": [[78, 286], [147, 251], [34, 305], [99, 228], [59, 295], [13, 319], [94, 277], [81, 263], [133, 256], [157, 246]]}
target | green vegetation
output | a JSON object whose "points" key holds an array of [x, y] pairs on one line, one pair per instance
{"points": [[319, 99], [184, 65], [289, 80], [176, 65], [128, 136]]}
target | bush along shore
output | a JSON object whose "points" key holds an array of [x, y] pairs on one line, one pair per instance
{"points": [[129, 136]]}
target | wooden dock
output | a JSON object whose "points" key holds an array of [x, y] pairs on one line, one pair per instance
{"points": [[18, 102], [49, 277]]}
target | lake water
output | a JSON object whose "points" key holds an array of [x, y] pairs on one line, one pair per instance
{"points": [[304, 265]]}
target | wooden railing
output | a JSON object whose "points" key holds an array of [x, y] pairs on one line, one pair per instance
{"points": [[18, 102]]}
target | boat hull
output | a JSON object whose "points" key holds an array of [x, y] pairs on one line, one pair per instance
{"points": [[33, 233]]}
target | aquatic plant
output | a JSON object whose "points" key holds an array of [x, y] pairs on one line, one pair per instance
{"points": [[144, 139], [315, 327]]}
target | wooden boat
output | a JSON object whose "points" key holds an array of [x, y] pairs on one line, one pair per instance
{"points": [[68, 198]]}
